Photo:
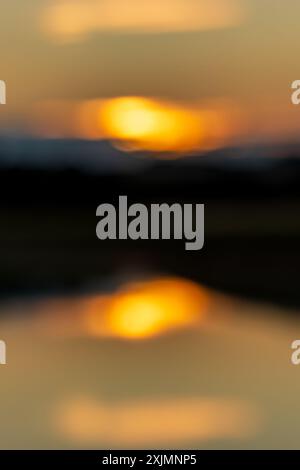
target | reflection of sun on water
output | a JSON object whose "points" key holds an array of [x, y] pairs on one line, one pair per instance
{"points": [[212, 385], [170, 421], [137, 311], [146, 309]]}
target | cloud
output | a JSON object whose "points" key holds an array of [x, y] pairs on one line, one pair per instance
{"points": [[73, 19]]}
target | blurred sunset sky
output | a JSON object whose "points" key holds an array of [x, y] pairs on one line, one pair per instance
{"points": [[220, 68]]}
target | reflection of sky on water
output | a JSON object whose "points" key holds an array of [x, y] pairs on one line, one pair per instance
{"points": [[221, 378]]}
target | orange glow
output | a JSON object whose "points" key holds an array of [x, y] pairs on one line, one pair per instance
{"points": [[136, 311], [164, 128], [147, 309], [161, 422], [73, 19], [140, 123], [137, 123], [53, 119]]}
